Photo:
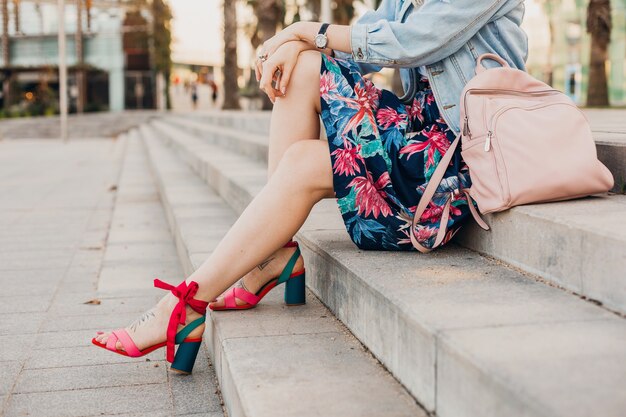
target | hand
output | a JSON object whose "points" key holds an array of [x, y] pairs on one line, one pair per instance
{"points": [[279, 67], [271, 45], [288, 34]]}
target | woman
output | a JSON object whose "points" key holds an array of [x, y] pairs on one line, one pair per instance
{"points": [[379, 156]]}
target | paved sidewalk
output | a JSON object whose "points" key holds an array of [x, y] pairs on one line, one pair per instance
{"points": [[81, 222]]}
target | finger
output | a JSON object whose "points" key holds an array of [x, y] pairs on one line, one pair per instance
{"points": [[263, 79], [266, 81], [277, 82], [284, 79], [257, 70]]}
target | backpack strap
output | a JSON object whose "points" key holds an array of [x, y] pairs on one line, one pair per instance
{"points": [[427, 197]]}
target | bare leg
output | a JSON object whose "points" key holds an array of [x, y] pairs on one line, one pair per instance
{"points": [[303, 177], [295, 116]]}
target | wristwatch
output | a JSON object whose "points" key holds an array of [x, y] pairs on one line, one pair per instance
{"points": [[321, 40]]}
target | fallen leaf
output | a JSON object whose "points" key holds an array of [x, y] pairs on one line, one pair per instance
{"points": [[91, 248], [94, 302]]}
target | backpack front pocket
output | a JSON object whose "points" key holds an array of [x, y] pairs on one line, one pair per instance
{"points": [[490, 195], [529, 171]]}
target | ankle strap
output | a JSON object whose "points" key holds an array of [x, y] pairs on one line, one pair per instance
{"points": [[185, 294], [288, 269], [291, 244]]}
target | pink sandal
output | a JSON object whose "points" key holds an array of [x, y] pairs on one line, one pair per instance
{"points": [[295, 289], [188, 348]]}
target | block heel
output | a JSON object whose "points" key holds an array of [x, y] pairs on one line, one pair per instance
{"points": [[182, 360], [186, 356], [295, 290], [294, 287]]}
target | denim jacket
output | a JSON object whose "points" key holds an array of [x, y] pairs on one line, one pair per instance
{"points": [[445, 36]]}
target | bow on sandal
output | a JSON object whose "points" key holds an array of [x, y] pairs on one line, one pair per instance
{"points": [[295, 290], [183, 358]]}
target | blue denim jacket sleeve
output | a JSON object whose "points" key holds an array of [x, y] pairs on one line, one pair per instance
{"points": [[431, 33], [385, 11]]}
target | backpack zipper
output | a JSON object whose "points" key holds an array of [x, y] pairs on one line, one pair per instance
{"points": [[488, 141], [496, 115], [466, 129]]}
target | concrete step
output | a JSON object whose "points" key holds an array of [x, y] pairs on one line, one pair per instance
{"points": [[559, 242], [579, 245], [608, 126], [609, 130], [239, 139], [465, 335], [252, 121], [273, 360]]}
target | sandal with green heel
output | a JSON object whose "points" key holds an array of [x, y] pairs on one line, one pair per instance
{"points": [[295, 289], [183, 358]]}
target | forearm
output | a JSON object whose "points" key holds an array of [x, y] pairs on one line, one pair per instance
{"points": [[307, 46], [338, 35]]}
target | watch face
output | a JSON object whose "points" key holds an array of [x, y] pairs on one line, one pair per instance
{"points": [[320, 41]]}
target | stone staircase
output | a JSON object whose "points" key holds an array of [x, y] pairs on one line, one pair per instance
{"points": [[579, 245], [273, 360], [459, 333]]}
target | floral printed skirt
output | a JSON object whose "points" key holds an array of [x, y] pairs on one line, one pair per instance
{"points": [[383, 154]]}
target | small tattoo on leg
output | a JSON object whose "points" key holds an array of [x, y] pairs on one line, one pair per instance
{"points": [[265, 263], [144, 318]]}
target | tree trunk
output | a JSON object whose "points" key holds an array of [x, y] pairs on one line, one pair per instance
{"points": [[549, 8], [16, 16], [269, 13], [343, 12], [162, 39], [549, 69], [5, 54], [80, 71], [5, 32], [599, 26], [315, 7], [230, 69], [88, 12]]}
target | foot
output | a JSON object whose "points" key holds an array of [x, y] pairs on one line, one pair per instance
{"points": [[269, 269], [151, 327]]}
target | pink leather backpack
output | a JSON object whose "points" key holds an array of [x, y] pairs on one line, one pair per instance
{"points": [[523, 141]]}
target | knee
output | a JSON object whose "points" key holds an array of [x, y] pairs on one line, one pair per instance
{"points": [[305, 79], [306, 166], [295, 163], [307, 68]]}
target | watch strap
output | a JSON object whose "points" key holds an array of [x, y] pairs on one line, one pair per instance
{"points": [[323, 28]]}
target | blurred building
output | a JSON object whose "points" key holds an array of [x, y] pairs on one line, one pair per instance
{"points": [[108, 55]]}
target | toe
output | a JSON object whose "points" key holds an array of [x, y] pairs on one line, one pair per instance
{"points": [[217, 303], [103, 338]]}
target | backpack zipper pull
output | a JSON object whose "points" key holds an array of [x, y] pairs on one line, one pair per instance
{"points": [[488, 141], [466, 131]]}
